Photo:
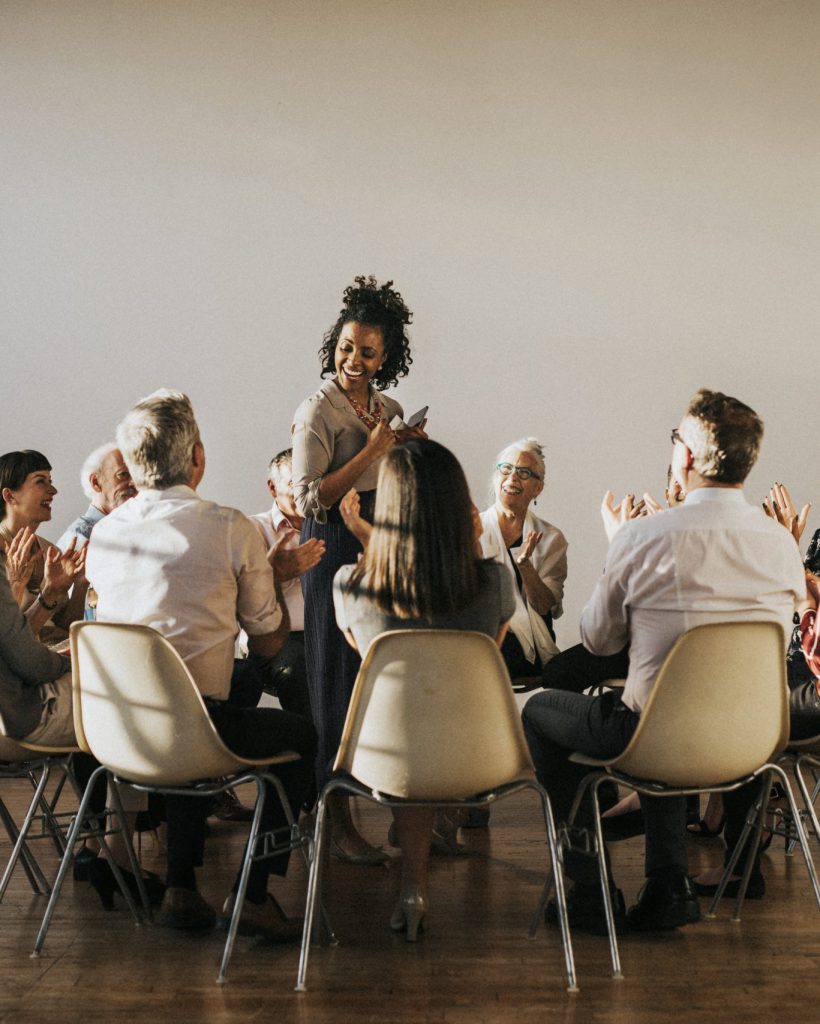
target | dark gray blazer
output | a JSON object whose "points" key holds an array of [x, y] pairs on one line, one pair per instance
{"points": [[25, 663]]}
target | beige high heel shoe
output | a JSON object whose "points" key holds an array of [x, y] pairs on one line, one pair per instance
{"points": [[409, 912]]}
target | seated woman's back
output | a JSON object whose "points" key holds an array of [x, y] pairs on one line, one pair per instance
{"points": [[421, 568]]}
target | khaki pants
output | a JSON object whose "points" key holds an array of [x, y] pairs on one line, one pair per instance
{"points": [[56, 729]]}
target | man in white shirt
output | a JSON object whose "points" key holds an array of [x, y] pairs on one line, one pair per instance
{"points": [[285, 675], [195, 571], [714, 559]]}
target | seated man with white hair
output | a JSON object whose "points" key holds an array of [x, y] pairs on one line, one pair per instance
{"points": [[196, 571], [107, 483], [286, 674]]}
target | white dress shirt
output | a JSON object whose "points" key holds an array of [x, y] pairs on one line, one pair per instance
{"points": [[714, 559], [549, 559], [191, 569], [274, 526]]}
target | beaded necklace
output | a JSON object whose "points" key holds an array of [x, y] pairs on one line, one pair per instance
{"points": [[370, 419]]}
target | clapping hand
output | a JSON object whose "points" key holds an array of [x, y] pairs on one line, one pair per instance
{"points": [[614, 516], [290, 563], [527, 548], [63, 569], [22, 555], [778, 505], [350, 511]]}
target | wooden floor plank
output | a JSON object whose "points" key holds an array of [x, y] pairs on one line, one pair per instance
{"points": [[473, 963]]}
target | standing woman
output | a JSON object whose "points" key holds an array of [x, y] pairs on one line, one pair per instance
{"points": [[339, 437], [534, 552]]}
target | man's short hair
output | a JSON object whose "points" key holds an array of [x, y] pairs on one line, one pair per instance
{"points": [[157, 439], [93, 465], [278, 462], [723, 436]]}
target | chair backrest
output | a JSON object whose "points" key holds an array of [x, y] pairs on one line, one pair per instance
{"points": [[718, 709], [433, 716], [137, 709]]}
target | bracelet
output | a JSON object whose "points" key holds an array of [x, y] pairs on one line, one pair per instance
{"points": [[48, 607]]}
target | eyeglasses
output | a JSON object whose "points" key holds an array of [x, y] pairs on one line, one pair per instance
{"points": [[522, 472], [675, 436]]}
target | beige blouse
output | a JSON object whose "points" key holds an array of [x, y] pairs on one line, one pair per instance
{"points": [[327, 433]]}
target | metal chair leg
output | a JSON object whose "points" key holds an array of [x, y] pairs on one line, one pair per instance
{"points": [[314, 888], [560, 894], [71, 839]]}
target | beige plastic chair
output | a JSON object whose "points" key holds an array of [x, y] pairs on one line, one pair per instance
{"points": [[20, 760], [139, 712], [433, 720], [716, 716]]}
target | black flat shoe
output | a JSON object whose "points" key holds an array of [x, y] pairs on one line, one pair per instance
{"points": [[664, 904], [756, 889]]}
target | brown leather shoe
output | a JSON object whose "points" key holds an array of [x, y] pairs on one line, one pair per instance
{"points": [[228, 808], [185, 909], [266, 919]]}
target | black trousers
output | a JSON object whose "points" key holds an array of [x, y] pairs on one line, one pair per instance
{"points": [[250, 732], [804, 722], [576, 669], [558, 723]]}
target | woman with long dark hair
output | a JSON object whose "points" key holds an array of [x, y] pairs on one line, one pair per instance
{"points": [[421, 570]]}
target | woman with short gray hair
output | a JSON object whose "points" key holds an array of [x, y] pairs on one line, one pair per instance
{"points": [[534, 552]]}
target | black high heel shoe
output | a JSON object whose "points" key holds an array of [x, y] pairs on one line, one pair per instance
{"points": [[102, 879]]}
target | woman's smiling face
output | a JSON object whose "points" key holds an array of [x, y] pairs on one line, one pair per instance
{"points": [[32, 499], [359, 355]]}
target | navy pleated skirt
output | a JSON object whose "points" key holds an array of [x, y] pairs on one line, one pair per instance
{"points": [[332, 663]]}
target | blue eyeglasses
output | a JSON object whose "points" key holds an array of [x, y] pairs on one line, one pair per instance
{"points": [[522, 472]]}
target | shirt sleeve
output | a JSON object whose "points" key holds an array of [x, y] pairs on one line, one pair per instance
{"points": [[256, 608], [313, 442], [30, 661], [605, 618]]}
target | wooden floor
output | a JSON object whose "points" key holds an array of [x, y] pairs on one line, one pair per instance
{"points": [[474, 962]]}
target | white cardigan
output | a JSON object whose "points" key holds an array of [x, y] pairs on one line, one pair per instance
{"points": [[549, 560]]}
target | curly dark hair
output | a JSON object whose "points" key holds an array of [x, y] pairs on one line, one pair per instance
{"points": [[368, 302]]}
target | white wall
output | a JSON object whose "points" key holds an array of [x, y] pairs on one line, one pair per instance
{"points": [[592, 207]]}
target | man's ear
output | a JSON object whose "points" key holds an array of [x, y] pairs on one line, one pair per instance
{"points": [[94, 480], [198, 454], [272, 488]]}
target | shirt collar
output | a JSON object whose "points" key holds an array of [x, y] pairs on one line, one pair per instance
{"points": [[168, 493], [334, 394], [94, 514], [277, 516], [709, 495]]}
